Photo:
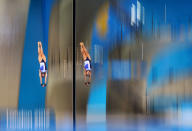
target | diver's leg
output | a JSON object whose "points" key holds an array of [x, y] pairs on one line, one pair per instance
{"points": [[89, 81], [39, 51], [85, 76], [87, 55], [39, 48], [41, 55], [39, 59], [89, 77], [44, 58]]}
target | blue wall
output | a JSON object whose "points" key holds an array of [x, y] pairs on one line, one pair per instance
{"points": [[31, 94]]}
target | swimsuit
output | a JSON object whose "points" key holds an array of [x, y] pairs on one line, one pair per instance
{"points": [[87, 64], [43, 67]]}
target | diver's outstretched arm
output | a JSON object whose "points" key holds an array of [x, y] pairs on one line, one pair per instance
{"points": [[46, 78], [86, 53], [84, 74], [40, 77], [88, 56], [90, 76], [82, 50]]}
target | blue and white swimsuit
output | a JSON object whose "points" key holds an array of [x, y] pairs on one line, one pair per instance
{"points": [[87, 65], [43, 68]]}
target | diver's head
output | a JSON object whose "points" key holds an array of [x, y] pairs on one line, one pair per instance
{"points": [[42, 75], [88, 73]]}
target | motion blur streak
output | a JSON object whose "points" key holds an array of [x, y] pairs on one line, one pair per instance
{"points": [[12, 31], [23, 23], [31, 95], [102, 20], [140, 51], [141, 57]]}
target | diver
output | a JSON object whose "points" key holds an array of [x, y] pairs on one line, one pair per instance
{"points": [[42, 62], [87, 63]]}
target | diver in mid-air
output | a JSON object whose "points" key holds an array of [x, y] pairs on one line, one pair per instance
{"points": [[87, 63], [42, 62]]}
